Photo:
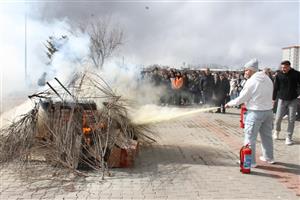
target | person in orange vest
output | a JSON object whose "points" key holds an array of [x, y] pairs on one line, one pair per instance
{"points": [[177, 83]]}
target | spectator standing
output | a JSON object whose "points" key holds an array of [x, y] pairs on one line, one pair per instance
{"points": [[207, 86], [222, 92], [194, 88], [177, 85], [269, 73], [155, 78], [185, 93], [233, 87], [166, 84], [42, 80], [285, 89]]}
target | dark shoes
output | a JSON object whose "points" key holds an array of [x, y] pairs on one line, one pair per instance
{"points": [[219, 111]]}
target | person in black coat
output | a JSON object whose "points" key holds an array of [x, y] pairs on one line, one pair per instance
{"points": [[194, 88], [156, 78], [207, 86], [285, 89], [222, 90]]}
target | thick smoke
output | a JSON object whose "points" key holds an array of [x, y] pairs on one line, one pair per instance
{"points": [[125, 80], [26, 35], [195, 32], [72, 56]]}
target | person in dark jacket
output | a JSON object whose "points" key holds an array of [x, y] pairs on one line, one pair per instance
{"points": [[216, 89], [222, 92], [207, 86], [166, 84], [155, 78], [42, 80], [194, 88], [285, 89]]}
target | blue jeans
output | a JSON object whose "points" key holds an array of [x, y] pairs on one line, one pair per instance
{"points": [[286, 107], [262, 122]]}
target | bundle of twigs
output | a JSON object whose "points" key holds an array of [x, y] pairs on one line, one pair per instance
{"points": [[59, 129], [17, 139]]}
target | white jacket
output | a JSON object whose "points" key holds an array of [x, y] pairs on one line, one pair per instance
{"points": [[256, 94]]}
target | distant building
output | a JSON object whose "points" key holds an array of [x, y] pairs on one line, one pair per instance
{"points": [[292, 54]]}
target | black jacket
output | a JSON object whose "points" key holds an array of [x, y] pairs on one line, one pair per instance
{"points": [[285, 85], [222, 88], [207, 83]]}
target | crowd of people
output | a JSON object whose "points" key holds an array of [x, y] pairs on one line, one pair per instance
{"points": [[197, 87]]}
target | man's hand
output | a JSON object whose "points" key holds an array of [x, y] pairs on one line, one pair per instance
{"points": [[273, 102], [226, 105]]}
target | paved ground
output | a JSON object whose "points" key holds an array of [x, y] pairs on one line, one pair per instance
{"points": [[195, 158]]}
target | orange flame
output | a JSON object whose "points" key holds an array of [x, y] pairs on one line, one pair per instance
{"points": [[86, 130]]}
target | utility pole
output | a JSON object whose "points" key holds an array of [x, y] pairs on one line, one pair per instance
{"points": [[25, 50]]}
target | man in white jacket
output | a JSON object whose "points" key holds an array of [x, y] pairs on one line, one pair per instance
{"points": [[257, 96]]}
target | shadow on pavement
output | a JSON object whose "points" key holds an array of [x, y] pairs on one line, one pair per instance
{"points": [[282, 167], [230, 113], [183, 154], [295, 142], [255, 173], [164, 160]]}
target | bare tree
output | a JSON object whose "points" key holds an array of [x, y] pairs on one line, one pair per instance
{"points": [[53, 44], [105, 39]]}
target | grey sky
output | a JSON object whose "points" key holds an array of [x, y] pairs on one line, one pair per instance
{"points": [[226, 33]]}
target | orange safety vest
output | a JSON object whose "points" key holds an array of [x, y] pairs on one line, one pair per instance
{"points": [[177, 82]]}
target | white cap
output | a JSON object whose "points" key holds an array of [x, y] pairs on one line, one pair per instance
{"points": [[252, 65]]}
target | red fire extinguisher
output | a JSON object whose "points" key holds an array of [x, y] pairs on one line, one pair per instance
{"points": [[245, 159], [243, 111]]}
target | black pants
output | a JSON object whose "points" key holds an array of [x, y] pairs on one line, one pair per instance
{"points": [[221, 103], [207, 97]]}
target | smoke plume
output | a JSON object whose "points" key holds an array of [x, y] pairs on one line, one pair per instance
{"points": [[23, 52]]}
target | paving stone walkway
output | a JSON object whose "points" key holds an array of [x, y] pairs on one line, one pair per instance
{"points": [[195, 158]]}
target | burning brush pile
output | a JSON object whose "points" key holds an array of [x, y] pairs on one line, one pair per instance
{"points": [[80, 124]]}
